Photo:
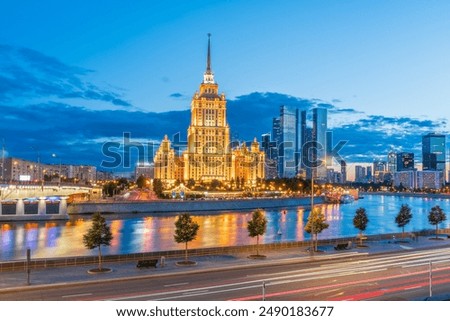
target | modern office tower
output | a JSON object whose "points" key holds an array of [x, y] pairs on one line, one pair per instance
{"points": [[265, 144], [343, 172], [307, 154], [276, 138], [288, 142], [433, 152], [329, 148], [289, 133], [270, 150], [392, 162], [405, 161], [369, 174], [379, 171], [301, 139], [320, 141], [209, 155], [360, 174], [332, 176], [276, 129]]}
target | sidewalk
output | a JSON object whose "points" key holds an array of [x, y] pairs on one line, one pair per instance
{"points": [[10, 281]]}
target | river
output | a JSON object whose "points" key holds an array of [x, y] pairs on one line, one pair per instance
{"points": [[134, 233]]}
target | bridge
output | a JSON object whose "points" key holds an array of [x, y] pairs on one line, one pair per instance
{"points": [[39, 202]]}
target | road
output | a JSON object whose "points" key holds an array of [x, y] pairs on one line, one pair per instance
{"points": [[353, 276]]}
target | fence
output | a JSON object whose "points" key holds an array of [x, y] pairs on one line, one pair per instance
{"points": [[91, 260]]}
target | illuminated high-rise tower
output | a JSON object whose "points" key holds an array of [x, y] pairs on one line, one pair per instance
{"points": [[209, 155]]}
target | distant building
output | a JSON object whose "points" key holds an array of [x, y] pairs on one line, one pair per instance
{"points": [[287, 166], [25, 171], [343, 172], [270, 150], [144, 169], [392, 162], [379, 171], [104, 176], [405, 162], [430, 179], [369, 176], [289, 133], [433, 153], [329, 148], [360, 174], [407, 179], [319, 134]]}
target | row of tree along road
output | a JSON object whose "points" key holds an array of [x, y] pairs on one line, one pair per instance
{"points": [[186, 229]]}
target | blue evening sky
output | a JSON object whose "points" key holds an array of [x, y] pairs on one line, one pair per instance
{"points": [[383, 57], [384, 66]]}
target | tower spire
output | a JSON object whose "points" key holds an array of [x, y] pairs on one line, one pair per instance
{"points": [[208, 76], [208, 60]]}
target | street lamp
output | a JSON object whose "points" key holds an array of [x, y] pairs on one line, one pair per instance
{"points": [[59, 173]]}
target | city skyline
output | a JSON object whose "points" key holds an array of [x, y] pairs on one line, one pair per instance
{"points": [[89, 96]]}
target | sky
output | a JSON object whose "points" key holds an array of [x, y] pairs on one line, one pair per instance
{"points": [[74, 74]]}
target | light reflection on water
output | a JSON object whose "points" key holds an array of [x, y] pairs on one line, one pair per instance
{"points": [[140, 233]]}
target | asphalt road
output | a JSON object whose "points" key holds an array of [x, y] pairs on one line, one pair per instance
{"points": [[389, 276]]}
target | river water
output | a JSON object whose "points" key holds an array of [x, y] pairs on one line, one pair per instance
{"points": [[134, 233]]}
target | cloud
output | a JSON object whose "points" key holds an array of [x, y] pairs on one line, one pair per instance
{"points": [[78, 133], [26, 74]]}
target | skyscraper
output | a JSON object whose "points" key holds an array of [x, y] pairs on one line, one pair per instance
{"points": [[289, 133], [343, 172], [288, 142], [360, 174], [320, 141], [209, 155], [433, 152], [392, 162], [405, 162]]}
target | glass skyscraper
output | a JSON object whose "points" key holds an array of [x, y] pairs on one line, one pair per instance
{"points": [[405, 162], [320, 140], [433, 153], [289, 133]]}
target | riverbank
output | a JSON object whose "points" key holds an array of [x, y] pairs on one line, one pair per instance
{"points": [[382, 242], [407, 194], [197, 206]]}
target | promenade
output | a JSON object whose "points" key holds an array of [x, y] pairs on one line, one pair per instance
{"points": [[53, 277]]}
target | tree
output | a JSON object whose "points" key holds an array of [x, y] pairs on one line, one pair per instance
{"points": [[99, 234], [360, 221], [257, 226], [190, 183], [141, 182], [158, 187], [316, 224], [403, 217], [185, 231], [436, 216]]}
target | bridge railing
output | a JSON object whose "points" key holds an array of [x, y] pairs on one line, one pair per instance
{"points": [[229, 250]]}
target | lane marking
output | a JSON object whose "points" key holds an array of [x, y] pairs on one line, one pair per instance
{"points": [[176, 284], [76, 295]]}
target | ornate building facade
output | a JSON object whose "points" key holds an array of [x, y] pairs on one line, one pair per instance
{"points": [[209, 155]]}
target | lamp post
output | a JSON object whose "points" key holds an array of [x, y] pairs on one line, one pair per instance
{"points": [[59, 173], [38, 164], [3, 161], [312, 213]]}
